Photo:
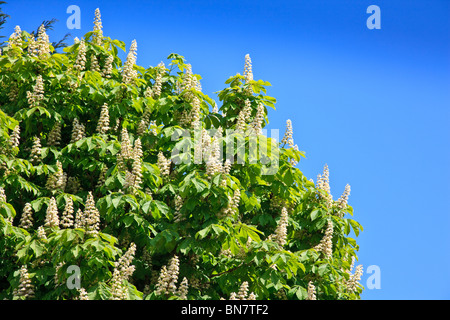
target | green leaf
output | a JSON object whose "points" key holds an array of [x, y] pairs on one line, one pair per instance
{"points": [[146, 206], [301, 293], [119, 44], [37, 248], [7, 210], [185, 246], [116, 201], [314, 214], [322, 269], [203, 233], [161, 207], [199, 184], [288, 178], [101, 292], [355, 226]]}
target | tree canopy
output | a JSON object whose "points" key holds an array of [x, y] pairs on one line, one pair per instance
{"points": [[151, 190]]}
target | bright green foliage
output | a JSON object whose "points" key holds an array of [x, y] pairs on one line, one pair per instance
{"points": [[182, 213]]}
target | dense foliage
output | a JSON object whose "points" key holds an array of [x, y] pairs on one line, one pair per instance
{"points": [[117, 169]]}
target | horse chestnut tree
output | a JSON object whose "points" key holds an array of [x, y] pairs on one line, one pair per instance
{"points": [[124, 182]]}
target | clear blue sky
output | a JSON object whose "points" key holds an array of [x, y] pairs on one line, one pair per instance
{"points": [[372, 104]]}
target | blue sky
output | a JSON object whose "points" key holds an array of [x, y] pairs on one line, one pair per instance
{"points": [[372, 104]]}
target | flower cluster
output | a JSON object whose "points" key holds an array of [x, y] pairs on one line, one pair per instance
{"points": [[323, 183], [108, 67], [51, 216], [128, 72], [168, 278], [26, 288], [227, 166], [289, 140], [126, 151], [257, 123], [118, 290], [58, 180], [244, 116], [98, 33], [91, 215], [183, 289], [89, 219], [41, 233], [67, 215], [13, 91], [143, 123], [54, 136], [288, 134], [94, 63], [124, 263], [243, 293], [137, 149], [35, 97], [82, 294], [311, 291], [103, 122], [78, 131], [195, 113], [163, 164], [43, 43], [35, 155], [213, 160], [281, 295], [102, 177], [56, 277], [190, 81], [79, 219], [26, 221], [123, 271], [326, 244], [281, 230], [157, 86], [80, 62], [225, 171], [196, 283], [178, 205], [248, 73], [342, 201], [188, 118], [32, 47], [16, 38], [202, 144], [233, 204], [15, 137], [352, 282], [133, 179]]}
